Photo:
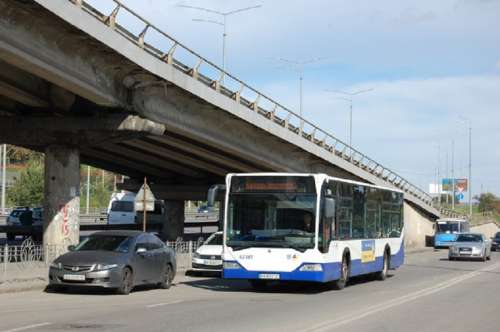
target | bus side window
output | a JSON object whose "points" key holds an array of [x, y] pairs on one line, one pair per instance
{"points": [[327, 221]]}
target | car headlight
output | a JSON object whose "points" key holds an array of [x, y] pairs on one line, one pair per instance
{"points": [[231, 266], [100, 267], [311, 268], [57, 266], [476, 250], [196, 255], [454, 249]]}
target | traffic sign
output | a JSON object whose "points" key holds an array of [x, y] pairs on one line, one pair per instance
{"points": [[145, 195]]}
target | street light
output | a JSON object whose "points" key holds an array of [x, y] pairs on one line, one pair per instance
{"points": [[223, 23], [298, 66], [468, 122], [350, 102]]}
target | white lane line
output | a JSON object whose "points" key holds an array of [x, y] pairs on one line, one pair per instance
{"points": [[398, 301], [163, 304], [27, 327]]}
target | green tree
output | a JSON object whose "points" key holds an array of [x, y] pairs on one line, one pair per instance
{"points": [[28, 188], [487, 202]]}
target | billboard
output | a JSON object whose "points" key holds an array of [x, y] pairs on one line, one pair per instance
{"points": [[461, 185]]}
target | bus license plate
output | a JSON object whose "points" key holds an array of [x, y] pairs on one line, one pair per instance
{"points": [[74, 277], [273, 276]]}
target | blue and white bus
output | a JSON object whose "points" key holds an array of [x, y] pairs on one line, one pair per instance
{"points": [[309, 227], [447, 230]]}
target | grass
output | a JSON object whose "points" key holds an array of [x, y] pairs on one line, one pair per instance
{"points": [[478, 217]]}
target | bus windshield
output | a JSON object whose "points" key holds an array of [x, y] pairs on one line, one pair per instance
{"points": [[283, 220], [447, 228]]}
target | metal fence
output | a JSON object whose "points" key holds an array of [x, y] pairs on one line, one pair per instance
{"points": [[156, 42]]}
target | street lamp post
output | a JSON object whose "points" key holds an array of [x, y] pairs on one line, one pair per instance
{"points": [[350, 105], [469, 124], [298, 66], [4, 171], [223, 23]]}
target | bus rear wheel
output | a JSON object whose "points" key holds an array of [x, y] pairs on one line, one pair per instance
{"points": [[344, 275]]}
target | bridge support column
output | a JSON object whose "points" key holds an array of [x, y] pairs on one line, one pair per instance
{"points": [[61, 200], [173, 226]]}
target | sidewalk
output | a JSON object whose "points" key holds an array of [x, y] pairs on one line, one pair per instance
{"points": [[22, 277]]}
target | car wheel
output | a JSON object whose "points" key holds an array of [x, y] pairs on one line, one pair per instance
{"points": [[167, 278], [127, 282], [382, 275], [451, 258], [344, 275]]}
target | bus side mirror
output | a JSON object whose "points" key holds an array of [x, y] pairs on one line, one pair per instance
{"points": [[329, 208], [212, 193]]}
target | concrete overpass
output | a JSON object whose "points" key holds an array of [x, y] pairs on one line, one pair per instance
{"points": [[82, 87]]}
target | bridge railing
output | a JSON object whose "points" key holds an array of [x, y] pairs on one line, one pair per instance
{"points": [[163, 46]]}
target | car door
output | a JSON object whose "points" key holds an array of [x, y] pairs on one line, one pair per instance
{"points": [[143, 261], [159, 257]]}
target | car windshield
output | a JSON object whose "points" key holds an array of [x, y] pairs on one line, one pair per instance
{"points": [[215, 241], [497, 236], [469, 238], [122, 206], [105, 243], [15, 213]]}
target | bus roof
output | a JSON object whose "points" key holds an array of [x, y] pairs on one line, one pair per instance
{"points": [[447, 220], [321, 175]]}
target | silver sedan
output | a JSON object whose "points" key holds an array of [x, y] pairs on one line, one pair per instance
{"points": [[470, 246]]}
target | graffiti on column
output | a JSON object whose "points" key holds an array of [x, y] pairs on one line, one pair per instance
{"points": [[63, 209]]}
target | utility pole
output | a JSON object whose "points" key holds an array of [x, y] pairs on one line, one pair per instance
{"points": [[470, 170], [4, 174], [453, 174], [88, 190]]}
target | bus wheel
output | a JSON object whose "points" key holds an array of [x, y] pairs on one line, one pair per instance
{"points": [[344, 275], [382, 275], [258, 284]]}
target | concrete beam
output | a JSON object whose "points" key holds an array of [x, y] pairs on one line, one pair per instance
{"points": [[27, 41], [73, 130], [171, 191]]}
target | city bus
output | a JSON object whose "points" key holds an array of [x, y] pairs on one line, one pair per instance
{"points": [[309, 227], [447, 230]]}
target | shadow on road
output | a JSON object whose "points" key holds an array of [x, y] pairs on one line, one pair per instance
{"points": [[283, 287]]}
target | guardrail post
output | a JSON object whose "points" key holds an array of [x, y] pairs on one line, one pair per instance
{"points": [[78, 2], [287, 120], [5, 260], [273, 112], [169, 57], [237, 94], [255, 104], [142, 35], [196, 68], [190, 251], [111, 19]]}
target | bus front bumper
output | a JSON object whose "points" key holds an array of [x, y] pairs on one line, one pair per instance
{"points": [[330, 271]]}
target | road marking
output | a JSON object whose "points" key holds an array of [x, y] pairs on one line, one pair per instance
{"points": [[27, 327], [398, 301], [163, 304]]}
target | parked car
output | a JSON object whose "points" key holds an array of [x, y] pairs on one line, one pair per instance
{"points": [[208, 257], [495, 244], [471, 246], [14, 218], [21, 216], [205, 209], [118, 260]]}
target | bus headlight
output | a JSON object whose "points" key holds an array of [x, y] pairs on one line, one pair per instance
{"points": [[231, 266], [311, 268]]}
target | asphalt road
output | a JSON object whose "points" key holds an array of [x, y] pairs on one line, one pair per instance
{"points": [[429, 293]]}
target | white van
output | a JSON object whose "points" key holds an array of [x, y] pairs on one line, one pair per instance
{"points": [[121, 208]]}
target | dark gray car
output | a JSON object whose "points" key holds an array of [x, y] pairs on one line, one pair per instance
{"points": [[115, 259]]}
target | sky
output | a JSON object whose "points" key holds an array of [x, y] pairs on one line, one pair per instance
{"points": [[433, 67]]}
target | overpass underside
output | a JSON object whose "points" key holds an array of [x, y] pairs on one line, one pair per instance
{"points": [[82, 92]]}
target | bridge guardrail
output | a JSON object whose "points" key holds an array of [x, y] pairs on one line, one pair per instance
{"points": [[260, 103]]}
